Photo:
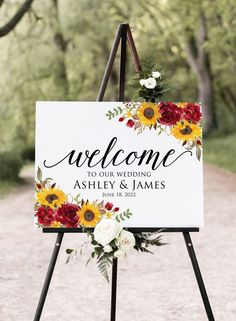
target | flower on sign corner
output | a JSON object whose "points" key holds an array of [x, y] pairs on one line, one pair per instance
{"points": [[170, 113], [199, 142], [181, 104], [51, 197], [56, 224], [106, 231], [89, 215], [126, 241], [107, 249], [119, 253], [108, 206], [45, 216], [148, 113], [121, 119], [186, 131], [192, 112], [130, 123], [108, 214], [67, 215], [128, 114]]}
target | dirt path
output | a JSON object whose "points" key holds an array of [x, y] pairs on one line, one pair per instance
{"points": [[161, 287]]}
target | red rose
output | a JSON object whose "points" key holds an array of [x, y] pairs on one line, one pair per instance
{"points": [[66, 215], [170, 114], [45, 216], [192, 112], [130, 123], [116, 209], [121, 118], [108, 206]]}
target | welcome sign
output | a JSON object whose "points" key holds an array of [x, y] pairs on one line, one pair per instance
{"points": [[139, 160]]}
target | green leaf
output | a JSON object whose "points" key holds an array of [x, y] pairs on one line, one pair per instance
{"points": [[39, 175], [198, 152], [72, 254], [103, 263]]}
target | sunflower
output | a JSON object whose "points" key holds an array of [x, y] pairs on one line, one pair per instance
{"points": [[148, 113], [51, 197], [186, 131], [89, 215]]}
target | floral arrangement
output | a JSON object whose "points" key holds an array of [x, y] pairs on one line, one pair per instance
{"points": [[100, 220], [53, 208], [150, 85], [181, 120], [110, 241]]}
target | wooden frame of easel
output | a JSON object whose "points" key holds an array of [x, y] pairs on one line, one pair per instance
{"points": [[123, 35]]}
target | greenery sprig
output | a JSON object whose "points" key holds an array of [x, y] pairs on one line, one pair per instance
{"points": [[145, 239], [114, 112], [122, 216]]}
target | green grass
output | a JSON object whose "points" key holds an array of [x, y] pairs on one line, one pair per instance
{"points": [[221, 151]]}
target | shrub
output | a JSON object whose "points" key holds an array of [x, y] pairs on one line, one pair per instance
{"points": [[28, 154], [10, 166]]}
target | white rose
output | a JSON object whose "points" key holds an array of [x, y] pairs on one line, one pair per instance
{"points": [[119, 253], [125, 241], [106, 231], [108, 249], [142, 82], [150, 83], [156, 74]]}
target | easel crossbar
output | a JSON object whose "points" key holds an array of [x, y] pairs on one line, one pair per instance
{"points": [[133, 230]]}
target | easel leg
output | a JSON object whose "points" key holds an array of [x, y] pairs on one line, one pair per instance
{"points": [[48, 276], [198, 275], [113, 289]]}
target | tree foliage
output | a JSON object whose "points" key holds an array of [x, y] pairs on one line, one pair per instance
{"points": [[58, 51]]}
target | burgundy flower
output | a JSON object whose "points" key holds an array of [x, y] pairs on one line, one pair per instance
{"points": [[192, 112], [108, 206], [66, 215], [121, 118], [170, 114], [130, 123], [116, 209], [45, 215], [199, 142]]}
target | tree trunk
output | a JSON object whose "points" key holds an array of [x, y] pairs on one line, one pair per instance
{"points": [[199, 61], [59, 65], [206, 98]]}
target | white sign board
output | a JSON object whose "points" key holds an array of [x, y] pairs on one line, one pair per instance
{"points": [[132, 156]]}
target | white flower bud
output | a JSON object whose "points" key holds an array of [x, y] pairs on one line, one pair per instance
{"points": [[107, 249], [156, 74]]}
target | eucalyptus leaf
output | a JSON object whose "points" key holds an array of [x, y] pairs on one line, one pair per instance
{"points": [[39, 175]]}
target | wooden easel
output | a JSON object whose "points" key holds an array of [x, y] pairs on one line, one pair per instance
{"points": [[123, 35]]}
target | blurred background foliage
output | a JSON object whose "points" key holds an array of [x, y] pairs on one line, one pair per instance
{"points": [[57, 50]]}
